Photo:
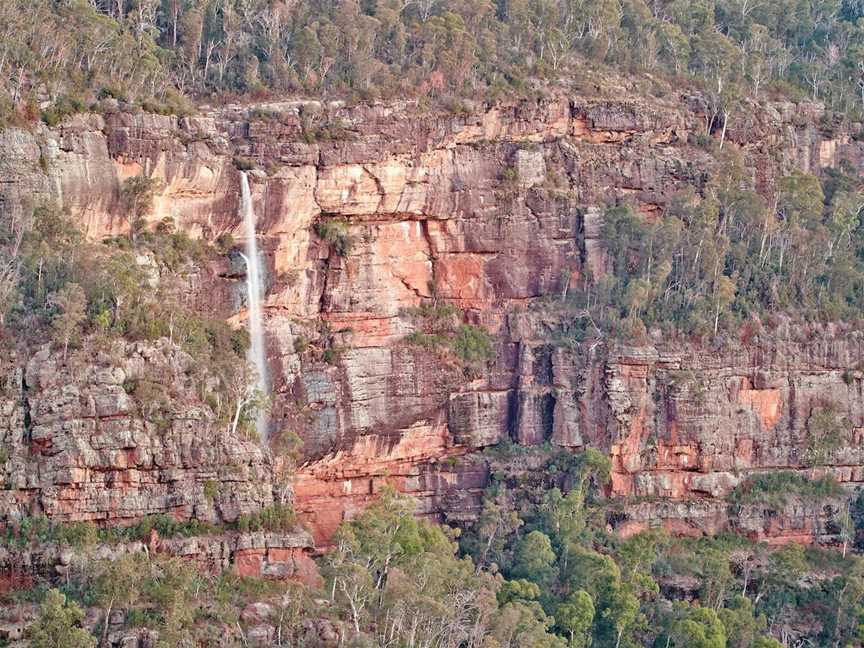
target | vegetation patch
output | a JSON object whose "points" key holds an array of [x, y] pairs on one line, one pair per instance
{"points": [[774, 489], [724, 261], [439, 329], [41, 530], [274, 518], [334, 232], [827, 432], [88, 296]]}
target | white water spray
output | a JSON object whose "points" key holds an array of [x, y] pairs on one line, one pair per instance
{"points": [[255, 293]]}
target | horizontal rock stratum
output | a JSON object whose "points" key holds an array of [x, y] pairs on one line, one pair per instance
{"points": [[493, 212]]}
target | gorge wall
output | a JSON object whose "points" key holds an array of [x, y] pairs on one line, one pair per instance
{"points": [[495, 211]]}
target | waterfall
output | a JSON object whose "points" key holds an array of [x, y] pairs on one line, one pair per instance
{"points": [[255, 293]]}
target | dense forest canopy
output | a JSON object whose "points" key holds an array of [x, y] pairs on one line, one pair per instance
{"points": [[730, 259], [537, 570], [721, 255], [70, 52]]}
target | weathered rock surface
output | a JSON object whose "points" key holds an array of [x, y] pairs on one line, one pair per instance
{"points": [[78, 445], [493, 212], [268, 555]]}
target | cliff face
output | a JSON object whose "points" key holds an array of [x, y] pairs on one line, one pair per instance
{"points": [[693, 424], [493, 211], [81, 444]]}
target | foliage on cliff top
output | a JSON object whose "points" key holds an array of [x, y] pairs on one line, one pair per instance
{"points": [[724, 256], [440, 328], [85, 294], [775, 489], [151, 52]]}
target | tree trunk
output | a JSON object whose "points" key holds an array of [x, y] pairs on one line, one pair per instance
{"points": [[355, 617], [104, 641], [241, 403], [176, 17], [723, 133]]}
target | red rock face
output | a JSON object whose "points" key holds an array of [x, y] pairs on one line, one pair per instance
{"points": [[334, 488], [15, 580], [765, 402], [79, 447], [490, 212], [292, 563], [277, 556]]}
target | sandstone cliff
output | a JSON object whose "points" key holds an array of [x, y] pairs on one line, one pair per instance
{"points": [[493, 211], [79, 446]]}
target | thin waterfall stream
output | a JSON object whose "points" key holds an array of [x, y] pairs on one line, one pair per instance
{"points": [[255, 295]]}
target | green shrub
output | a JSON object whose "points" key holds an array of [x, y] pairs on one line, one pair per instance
{"points": [[274, 518], [335, 233], [438, 330], [332, 354], [211, 489], [704, 141], [59, 624], [113, 92], [301, 344], [76, 534], [165, 525], [63, 107], [225, 243], [141, 618], [474, 345], [326, 132], [172, 103], [435, 317], [264, 114], [774, 489], [510, 176], [429, 341], [827, 432], [39, 529]]}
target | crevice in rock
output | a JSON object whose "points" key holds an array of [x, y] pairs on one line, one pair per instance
{"points": [[411, 288], [378, 187], [581, 245], [424, 230], [322, 299], [543, 370], [513, 415], [25, 405], [547, 414], [427, 238]]}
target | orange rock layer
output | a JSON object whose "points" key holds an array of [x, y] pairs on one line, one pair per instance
{"points": [[498, 213]]}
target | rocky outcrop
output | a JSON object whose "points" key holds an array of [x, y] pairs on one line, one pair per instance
{"points": [[83, 440], [800, 520], [495, 212], [268, 555], [696, 422], [92, 438]]}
